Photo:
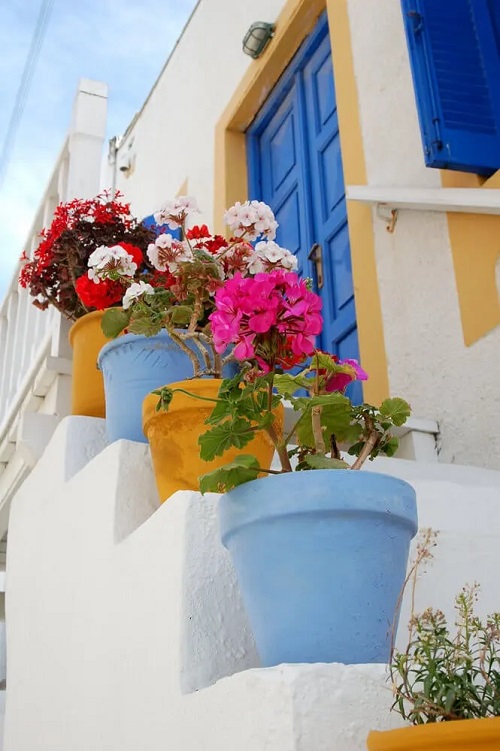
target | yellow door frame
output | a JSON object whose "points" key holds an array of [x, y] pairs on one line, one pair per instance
{"points": [[295, 22]]}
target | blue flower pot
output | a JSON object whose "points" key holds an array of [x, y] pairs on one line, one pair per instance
{"points": [[133, 366], [321, 559]]}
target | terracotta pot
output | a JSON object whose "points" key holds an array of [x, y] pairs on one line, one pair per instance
{"points": [[462, 735], [87, 389], [173, 438]]}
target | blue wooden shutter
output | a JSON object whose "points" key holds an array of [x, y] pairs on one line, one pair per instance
{"points": [[454, 51]]}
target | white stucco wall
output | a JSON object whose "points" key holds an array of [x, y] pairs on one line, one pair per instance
{"points": [[126, 629], [428, 361], [173, 140], [173, 137]]}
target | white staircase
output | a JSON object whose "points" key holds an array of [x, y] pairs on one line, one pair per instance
{"points": [[126, 627]]}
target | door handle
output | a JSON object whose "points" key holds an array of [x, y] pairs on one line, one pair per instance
{"points": [[316, 256]]}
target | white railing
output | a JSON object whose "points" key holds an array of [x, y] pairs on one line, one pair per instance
{"points": [[24, 328], [34, 350]]}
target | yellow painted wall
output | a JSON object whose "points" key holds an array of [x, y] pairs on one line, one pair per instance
{"points": [[295, 22], [475, 246]]}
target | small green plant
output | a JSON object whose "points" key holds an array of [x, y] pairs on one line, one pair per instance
{"points": [[324, 421], [448, 673]]}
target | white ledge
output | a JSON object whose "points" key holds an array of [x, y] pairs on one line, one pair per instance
{"points": [[417, 437], [463, 200], [417, 425]]}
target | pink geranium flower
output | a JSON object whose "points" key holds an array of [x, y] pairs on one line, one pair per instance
{"points": [[272, 318], [339, 381]]}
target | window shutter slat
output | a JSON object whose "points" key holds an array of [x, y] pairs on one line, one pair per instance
{"points": [[455, 60]]}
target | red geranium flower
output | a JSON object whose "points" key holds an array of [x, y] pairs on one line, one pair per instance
{"points": [[215, 243], [99, 296], [197, 232], [201, 233], [133, 251], [77, 229]]}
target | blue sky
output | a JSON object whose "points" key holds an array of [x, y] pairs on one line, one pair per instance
{"points": [[122, 42]]}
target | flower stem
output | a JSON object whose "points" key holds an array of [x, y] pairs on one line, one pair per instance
{"points": [[196, 396], [280, 448], [319, 440], [196, 338], [189, 352], [219, 362], [373, 437], [270, 395]]}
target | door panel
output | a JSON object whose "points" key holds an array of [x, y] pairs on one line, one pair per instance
{"points": [[295, 166], [329, 209], [281, 169]]}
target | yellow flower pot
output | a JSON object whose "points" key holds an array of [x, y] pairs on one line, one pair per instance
{"points": [[460, 735], [87, 389], [173, 437]]}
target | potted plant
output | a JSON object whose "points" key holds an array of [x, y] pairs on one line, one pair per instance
{"points": [[446, 682], [319, 548], [57, 275], [176, 310]]}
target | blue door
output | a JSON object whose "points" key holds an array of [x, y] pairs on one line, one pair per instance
{"points": [[295, 166]]}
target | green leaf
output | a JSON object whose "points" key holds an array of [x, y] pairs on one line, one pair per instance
{"points": [[396, 410], [114, 321], [243, 469], [220, 412], [355, 449], [351, 434], [324, 361], [335, 399], [315, 461], [180, 314], [390, 448], [336, 416], [145, 325], [214, 442], [336, 420], [231, 388], [287, 384], [450, 700]]}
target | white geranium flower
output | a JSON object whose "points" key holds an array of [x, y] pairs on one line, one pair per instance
{"points": [[182, 254], [110, 259], [164, 241], [256, 264], [289, 262], [231, 215], [251, 220], [166, 253], [269, 255], [265, 224], [156, 251], [174, 213], [136, 291], [271, 251]]}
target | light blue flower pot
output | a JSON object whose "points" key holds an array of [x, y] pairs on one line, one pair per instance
{"points": [[132, 366], [321, 558]]}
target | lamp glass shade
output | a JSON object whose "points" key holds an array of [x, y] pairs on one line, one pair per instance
{"points": [[257, 37]]}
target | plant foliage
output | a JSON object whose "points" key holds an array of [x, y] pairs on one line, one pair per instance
{"points": [[447, 672]]}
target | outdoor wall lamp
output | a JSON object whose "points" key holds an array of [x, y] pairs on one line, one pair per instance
{"points": [[257, 38]]}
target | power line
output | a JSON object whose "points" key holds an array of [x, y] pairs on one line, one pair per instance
{"points": [[24, 86]]}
